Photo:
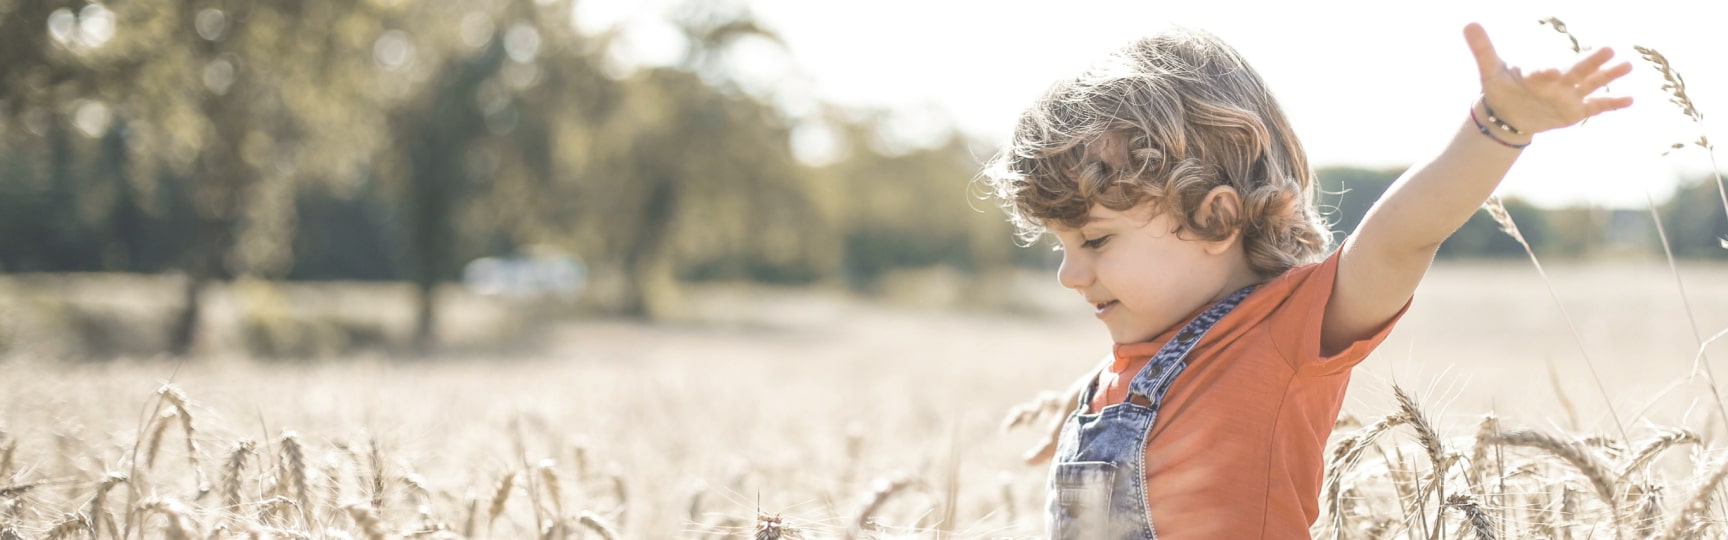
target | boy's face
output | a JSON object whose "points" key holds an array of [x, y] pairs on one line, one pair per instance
{"points": [[1139, 276]]}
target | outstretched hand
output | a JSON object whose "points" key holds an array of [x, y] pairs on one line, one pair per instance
{"points": [[1544, 99]]}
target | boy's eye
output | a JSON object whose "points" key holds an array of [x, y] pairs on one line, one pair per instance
{"points": [[1095, 242]]}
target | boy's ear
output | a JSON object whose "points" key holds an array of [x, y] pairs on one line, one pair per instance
{"points": [[1221, 210]]}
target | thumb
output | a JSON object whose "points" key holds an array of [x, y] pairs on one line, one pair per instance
{"points": [[1487, 60]]}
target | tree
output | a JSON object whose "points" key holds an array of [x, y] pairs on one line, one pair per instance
{"points": [[1694, 220]]}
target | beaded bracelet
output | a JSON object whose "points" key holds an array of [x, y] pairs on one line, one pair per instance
{"points": [[1484, 130], [1495, 119]]}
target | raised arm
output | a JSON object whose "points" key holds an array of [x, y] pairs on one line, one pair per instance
{"points": [[1385, 258]]}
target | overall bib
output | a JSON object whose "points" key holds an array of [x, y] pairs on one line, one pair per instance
{"points": [[1097, 476]]}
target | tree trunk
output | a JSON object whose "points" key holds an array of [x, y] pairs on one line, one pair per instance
{"points": [[425, 317], [206, 259], [185, 329], [651, 287]]}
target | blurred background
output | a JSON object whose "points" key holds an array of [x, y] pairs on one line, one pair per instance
{"points": [[732, 254], [436, 159]]}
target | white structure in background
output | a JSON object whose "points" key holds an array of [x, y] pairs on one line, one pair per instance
{"points": [[534, 272]]}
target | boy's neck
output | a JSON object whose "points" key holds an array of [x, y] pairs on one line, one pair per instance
{"points": [[1241, 275]]}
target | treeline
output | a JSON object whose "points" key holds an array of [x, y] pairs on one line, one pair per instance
{"points": [[1692, 218], [325, 139], [384, 140]]}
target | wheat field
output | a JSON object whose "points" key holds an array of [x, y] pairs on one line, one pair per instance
{"points": [[777, 413], [1512, 401]]}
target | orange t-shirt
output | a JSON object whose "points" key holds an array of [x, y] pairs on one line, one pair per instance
{"points": [[1236, 450]]}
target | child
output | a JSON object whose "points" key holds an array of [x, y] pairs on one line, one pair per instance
{"points": [[1184, 207]]}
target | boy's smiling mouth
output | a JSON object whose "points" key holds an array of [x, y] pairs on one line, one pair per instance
{"points": [[1100, 307]]}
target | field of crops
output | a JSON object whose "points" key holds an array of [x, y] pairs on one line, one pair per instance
{"points": [[813, 414]]}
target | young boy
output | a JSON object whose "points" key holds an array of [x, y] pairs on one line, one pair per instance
{"points": [[1184, 207]]}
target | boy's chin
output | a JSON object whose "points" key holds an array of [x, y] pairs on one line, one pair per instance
{"points": [[1127, 336]]}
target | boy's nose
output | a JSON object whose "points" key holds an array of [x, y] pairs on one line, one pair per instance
{"points": [[1074, 273]]}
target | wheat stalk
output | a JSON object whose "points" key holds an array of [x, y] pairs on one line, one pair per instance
{"points": [[6, 452], [772, 527], [1649, 516], [1479, 522], [1346, 454], [375, 461], [1561, 28], [269, 508], [98, 504], [500, 496], [1573, 454], [598, 525], [622, 495], [579, 460], [1431, 443], [180, 527], [1653, 447], [885, 489], [1404, 486], [1497, 210], [697, 493], [183, 408], [13, 491], [68, 525], [1676, 87], [295, 460], [1700, 360], [231, 474], [1485, 431], [161, 427], [473, 515], [261, 531], [548, 470], [332, 482], [1044, 404], [1696, 507], [367, 518]]}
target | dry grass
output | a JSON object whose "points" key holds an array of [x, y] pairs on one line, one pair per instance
{"points": [[768, 415], [718, 429]]}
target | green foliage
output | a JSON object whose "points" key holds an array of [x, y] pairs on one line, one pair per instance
{"points": [[1346, 194], [1696, 221], [324, 139]]}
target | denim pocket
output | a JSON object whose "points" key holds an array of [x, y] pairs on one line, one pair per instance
{"points": [[1080, 499]]}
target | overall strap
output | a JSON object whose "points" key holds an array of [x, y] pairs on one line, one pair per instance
{"points": [[1154, 379]]}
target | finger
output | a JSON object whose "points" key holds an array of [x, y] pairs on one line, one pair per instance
{"points": [[1602, 78], [1543, 76], [1487, 61], [1595, 106], [1584, 68]]}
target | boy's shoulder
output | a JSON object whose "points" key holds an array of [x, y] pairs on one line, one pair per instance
{"points": [[1304, 283]]}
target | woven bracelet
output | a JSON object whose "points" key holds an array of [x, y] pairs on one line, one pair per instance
{"points": [[1490, 134], [1495, 119]]}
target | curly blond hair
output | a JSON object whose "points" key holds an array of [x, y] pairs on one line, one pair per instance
{"points": [[1165, 120]]}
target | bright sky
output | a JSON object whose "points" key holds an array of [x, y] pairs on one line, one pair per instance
{"points": [[1364, 82]]}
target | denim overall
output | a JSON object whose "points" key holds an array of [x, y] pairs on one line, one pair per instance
{"points": [[1097, 476]]}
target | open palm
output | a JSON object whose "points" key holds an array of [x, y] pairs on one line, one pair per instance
{"points": [[1544, 99]]}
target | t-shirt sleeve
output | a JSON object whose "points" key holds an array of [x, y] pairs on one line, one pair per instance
{"points": [[1295, 325]]}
